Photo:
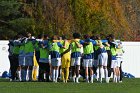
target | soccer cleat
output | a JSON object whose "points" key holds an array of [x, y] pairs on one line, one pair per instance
{"points": [[64, 81], [107, 80], [77, 81], [91, 81], [87, 81], [53, 80], [120, 81]]}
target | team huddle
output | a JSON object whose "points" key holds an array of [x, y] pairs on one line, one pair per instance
{"points": [[90, 58]]}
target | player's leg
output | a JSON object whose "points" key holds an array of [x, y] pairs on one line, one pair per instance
{"points": [[121, 76], [100, 66], [57, 65], [24, 67], [53, 69], [86, 69], [67, 74], [63, 68], [109, 63], [105, 58], [118, 70], [30, 69], [90, 65], [78, 60], [63, 74], [114, 71], [67, 65], [47, 69], [73, 69]]}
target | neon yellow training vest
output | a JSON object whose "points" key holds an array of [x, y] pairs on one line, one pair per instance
{"points": [[44, 53], [88, 49], [55, 47], [75, 48], [29, 47]]}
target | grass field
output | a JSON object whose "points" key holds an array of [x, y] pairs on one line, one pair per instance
{"points": [[127, 86]]}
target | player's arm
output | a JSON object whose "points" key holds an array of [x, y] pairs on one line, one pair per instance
{"points": [[66, 51], [79, 45], [60, 45]]}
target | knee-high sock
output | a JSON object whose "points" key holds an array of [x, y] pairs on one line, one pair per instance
{"points": [[118, 78], [97, 71], [53, 74], [106, 73], [101, 72], [114, 78], [56, 74], [19, 75], [91, 77], [87, 78], [23, 74], [30, 75]]}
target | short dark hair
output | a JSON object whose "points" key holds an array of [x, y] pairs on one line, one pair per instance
{"points": [[63, 37], [86, 36], [111, 36], [76, 35]]}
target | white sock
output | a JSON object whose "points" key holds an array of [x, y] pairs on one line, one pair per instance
{"points": [[87, 79], [118, 78], [101, 74], [106, 74], [44, 75], [91, 78], [97, 71], [19, 75], [53, 75], [74, 78], [77, 79], [56, 75], [114, 78]]}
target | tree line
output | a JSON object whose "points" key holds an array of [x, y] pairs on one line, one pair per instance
{"points": [[61, 17]]}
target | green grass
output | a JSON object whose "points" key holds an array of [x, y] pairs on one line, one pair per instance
{"points": [[128, 86]]}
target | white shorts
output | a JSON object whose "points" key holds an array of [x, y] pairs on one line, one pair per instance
{"points": [[21, 60], [28, 61], [88, 62], [102, 59], [113, 63], [118, 61], [75, 61], [56, 61]]}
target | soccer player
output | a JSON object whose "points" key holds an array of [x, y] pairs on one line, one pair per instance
{"points": [[13, 56], [76, 45], [44, 61], [65, 58], [21, 56], [55, 57], [114, 60], [109, 58], [88, 58], [119, 57], [102, 60], [95, 56], [29, 53]]}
